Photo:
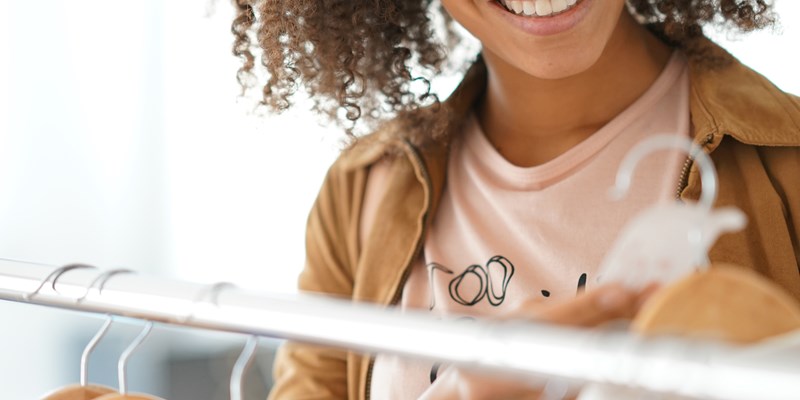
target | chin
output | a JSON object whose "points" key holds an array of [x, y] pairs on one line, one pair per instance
{"points": [[552, 65], [558, 68]]}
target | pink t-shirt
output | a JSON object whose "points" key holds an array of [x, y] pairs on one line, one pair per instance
{"points": [[504, 234]]}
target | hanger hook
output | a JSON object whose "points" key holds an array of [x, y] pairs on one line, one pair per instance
{"points": [[708, 173], [242, 364], [555, 389], [90, 347], [122, 365], [245, 359], [211, 293], [100, 282], [54, 275]]}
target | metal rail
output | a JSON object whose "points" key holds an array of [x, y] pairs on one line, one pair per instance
{"points": [[668, 365]]}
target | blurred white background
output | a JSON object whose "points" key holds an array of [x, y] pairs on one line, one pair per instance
{"points": [[123, 143]]}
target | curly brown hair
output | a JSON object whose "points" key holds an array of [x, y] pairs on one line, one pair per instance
{"points": [[360, 60]]}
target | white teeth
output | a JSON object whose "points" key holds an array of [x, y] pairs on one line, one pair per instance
{"points": [[559, 5], [528, 8], [543, 7]]}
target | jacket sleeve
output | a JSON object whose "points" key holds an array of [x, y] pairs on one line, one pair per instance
{"points": [[303, 371]]}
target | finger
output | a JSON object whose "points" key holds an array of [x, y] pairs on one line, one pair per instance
{"points": [[592, 308], [646, 294], [464, 384]]}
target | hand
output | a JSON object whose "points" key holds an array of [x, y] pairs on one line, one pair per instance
{"points": [[601, 305]]}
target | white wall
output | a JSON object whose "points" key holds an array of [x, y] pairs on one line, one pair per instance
{"points": [[81, 161], [239, 185], [773, 53], [122, 143]]}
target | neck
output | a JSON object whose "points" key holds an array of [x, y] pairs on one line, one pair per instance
{"points": [[531, 120]]}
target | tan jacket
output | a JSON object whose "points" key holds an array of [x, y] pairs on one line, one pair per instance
{"points": [[750, 128]]}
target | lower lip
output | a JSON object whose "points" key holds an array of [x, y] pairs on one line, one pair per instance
{"points": [[546, 26]]}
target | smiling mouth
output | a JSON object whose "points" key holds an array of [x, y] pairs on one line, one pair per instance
{"points": [[538, 8]]}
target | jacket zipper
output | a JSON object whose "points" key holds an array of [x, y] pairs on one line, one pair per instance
{"points": [[683, 181], [415, 159]]}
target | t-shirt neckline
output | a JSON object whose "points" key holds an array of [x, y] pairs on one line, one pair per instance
{"points": [[543, 175]]}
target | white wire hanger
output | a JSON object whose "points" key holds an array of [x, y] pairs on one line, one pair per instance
{"points": [[84, 389], [663, 243], [667, 242], [242, 364], [210, 295], [122, 366]]}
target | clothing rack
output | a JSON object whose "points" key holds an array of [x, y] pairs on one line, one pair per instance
{"points": [[695, 369]]}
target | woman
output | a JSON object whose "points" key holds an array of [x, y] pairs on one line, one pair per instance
{"points": [[491, 203]]}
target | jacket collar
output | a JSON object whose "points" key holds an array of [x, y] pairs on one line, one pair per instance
{"points": [[726, 99], [734, 100]]}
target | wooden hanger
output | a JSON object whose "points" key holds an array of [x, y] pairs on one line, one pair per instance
{"points": [[78, 392], [724, 302], [128, 396]]}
